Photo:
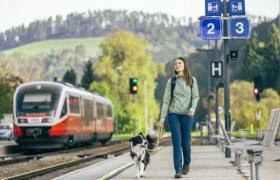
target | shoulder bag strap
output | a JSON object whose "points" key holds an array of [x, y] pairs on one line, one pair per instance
{"points": [[173, 84]]}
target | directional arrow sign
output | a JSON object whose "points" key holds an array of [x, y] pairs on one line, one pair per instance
{"points": [[239, 28], [211, 28]]}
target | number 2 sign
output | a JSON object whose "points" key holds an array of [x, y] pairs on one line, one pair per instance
{"points": [[211, 28]]}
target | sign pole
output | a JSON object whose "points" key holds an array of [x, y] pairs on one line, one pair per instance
{"points": [[234, 28], [216, 92], [208, 94], [226, 79]]}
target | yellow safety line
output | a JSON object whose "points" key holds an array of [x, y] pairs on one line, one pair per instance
{"points": [[115, 171]]}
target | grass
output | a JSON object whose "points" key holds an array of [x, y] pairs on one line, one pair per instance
{"points": [[45, 47], [122, 136]]}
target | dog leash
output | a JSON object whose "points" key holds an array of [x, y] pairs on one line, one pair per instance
{"points": [[160, 133]]}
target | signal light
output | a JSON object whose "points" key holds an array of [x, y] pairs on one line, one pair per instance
{"points": [[133, 88], [256, 91], [258, 87]]}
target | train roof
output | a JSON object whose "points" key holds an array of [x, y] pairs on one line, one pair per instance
{"points": [[70, 88]]}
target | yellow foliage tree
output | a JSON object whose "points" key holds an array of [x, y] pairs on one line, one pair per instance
{"points": [[244, 106]]}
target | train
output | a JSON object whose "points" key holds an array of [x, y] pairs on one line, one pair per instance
{"points": [[52, 115]]}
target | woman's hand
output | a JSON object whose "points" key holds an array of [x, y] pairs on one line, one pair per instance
{"points": [[191, 113], [160, 123]]}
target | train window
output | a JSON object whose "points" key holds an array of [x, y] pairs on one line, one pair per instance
{"points": [[74, 104], [109, 111], [88, 107], [100, 110], [64, 109], [36, 101]]}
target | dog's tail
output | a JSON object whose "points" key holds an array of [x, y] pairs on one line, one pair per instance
{"points": [[152, 138]]}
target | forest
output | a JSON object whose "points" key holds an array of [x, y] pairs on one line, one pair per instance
{"points": [[144, 45]]}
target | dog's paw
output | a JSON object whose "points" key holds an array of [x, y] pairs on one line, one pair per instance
{"points": [[137, 176], [143, 175]]}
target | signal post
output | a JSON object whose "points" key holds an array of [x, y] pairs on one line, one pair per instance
{"points": [[133, 88], [225, 20], [258, 88]]}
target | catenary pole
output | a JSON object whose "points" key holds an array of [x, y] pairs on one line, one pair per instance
{"points": [[226, 78]]}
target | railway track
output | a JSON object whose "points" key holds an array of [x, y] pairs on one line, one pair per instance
{"points": [[113, 150], [19, 158]]}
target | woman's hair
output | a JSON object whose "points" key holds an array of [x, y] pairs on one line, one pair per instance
{"points": [[187, 73]]}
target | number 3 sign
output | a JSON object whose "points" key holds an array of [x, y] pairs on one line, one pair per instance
{"points": [[239, 28], [211, 28]]}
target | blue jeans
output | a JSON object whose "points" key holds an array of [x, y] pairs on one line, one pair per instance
{"points": [[180, 126]]}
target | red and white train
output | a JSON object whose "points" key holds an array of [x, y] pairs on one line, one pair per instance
{"points": [[54, 115]]}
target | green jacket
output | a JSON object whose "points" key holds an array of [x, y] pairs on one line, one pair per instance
{"points": [[183, 99]]}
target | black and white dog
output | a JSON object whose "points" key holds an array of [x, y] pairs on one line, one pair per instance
{"points": [[139, 147]]}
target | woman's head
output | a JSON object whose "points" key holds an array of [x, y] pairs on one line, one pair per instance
{"points": [[181, 67]]}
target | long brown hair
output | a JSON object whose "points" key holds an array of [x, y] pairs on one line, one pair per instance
{"points": [[187, 73]]}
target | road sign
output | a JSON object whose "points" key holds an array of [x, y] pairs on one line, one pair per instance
{"points": [[216, 69], [211, 28], [236, 7], [239, 28], [213, 8]]}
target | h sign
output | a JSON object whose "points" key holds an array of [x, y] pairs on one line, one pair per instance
{"points": [[216, 69]]}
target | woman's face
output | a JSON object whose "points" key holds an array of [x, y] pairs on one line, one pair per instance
{"points": [[179, 65]]}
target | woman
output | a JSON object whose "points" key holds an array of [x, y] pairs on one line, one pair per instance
{"points": [[180, 109]]}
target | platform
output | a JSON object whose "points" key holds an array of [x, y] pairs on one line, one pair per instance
{"points": [[208, 162]]}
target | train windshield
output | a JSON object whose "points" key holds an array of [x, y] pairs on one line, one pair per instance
{"points": [[40, 101], [37, 102]]}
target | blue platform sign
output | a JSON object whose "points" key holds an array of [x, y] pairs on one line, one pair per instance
{"points": [[211, 28], [239, 28], [236, 7], [213, 7]]}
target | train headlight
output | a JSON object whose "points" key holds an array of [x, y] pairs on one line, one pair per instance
{"points": [[22, 120], [47, 120]]}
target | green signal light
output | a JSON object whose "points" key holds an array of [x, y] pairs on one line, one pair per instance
{"points": [[134, 80]]}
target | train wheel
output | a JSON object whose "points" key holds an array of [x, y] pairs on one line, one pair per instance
{"points": [[103, 142], [68, 143], [106, 140]]}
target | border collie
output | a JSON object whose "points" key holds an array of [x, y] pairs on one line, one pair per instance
{"points": [[139, 146]]}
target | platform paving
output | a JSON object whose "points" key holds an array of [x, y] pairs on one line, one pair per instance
{"points": [[208, 163]]}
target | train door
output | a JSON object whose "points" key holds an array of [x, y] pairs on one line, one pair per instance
{"points": [[88, 118], [82, 124], [74, 123]]}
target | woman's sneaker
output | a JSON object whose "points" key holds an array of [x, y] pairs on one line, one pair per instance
{"points": [[178, 174], [186, 169]]}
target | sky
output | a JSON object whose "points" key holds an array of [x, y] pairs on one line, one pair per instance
{"points": [[17, 12]]}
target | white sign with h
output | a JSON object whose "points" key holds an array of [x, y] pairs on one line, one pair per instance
{"points": [[216, 69]]}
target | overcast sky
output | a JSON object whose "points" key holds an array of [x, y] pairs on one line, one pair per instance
{"points": [[16, 12]]}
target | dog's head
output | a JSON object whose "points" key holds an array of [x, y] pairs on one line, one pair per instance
{"points": [[139, 140]]}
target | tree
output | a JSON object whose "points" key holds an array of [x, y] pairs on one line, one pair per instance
{"points": [[129, 51], [254, 60], [70, 76], [8, 85], [271, 63], [88, 76], [244, 106]]}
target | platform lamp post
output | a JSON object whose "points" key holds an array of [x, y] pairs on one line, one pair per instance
{"points": [[117, 69]]}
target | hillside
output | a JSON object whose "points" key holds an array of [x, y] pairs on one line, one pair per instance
{"points": [[45, 47], [168, 36]]}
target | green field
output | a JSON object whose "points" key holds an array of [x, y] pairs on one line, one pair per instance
{"points": [[45, 47]]}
